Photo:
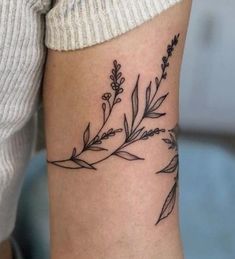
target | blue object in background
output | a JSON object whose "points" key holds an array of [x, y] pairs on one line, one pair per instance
{"points": [[206, 203], [32, 225], [207, 200]]}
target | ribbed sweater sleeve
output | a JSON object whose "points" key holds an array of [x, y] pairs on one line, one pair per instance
{"points": [[22, 54], [78, 24]]}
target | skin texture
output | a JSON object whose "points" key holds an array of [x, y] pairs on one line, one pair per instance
{"points": [[111, 212], [5, 250]]}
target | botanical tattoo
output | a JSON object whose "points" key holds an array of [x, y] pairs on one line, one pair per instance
{"points": [[171, 168], [133, 127]]}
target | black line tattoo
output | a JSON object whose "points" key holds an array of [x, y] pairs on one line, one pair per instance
{"points": [[171, 168], [171, 141], [133, 128]]}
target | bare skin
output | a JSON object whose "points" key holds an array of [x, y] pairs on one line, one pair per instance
{"points": [[5, 250], [111, 211]]}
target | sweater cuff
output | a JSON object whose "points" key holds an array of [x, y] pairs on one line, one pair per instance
{"points": [[72, 25]]}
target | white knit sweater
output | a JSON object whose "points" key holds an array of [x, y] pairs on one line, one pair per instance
{"points": [[70, 24]]}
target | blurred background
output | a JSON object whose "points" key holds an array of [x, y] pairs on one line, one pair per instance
{"points": [[207, 145]]}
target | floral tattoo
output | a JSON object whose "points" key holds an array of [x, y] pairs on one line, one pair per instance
{"points": [[133, 128]]}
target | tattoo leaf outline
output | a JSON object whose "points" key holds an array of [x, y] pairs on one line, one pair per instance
{"points": [[169, 204], [83, 163], [171, 167], [86, 135], [135, 101], [126, 155]]}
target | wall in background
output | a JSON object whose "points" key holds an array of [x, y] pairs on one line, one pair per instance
{"points": [[208, 72]]}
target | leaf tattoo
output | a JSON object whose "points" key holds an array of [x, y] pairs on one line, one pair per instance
{"points": [[168, 204], [86, 135], [126, 127], [133, 127], [172, 139], [171, 168], [126, 155], [158, 103], [135, 102], [155, 115], [83, 163]]}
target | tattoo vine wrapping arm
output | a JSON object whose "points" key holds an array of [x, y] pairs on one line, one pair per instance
{"points": [[133, 127], [171, 168]]}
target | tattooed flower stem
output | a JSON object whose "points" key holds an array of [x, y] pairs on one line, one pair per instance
{"points": [[105, 119], [121, 147], [149, 105], [117, 82], [165, 65]]}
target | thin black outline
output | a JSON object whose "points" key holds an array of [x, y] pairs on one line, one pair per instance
{"points": [[171, 168]]}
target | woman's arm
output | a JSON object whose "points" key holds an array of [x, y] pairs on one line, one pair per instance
{"points": [[111, 113], [5, 250]]}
